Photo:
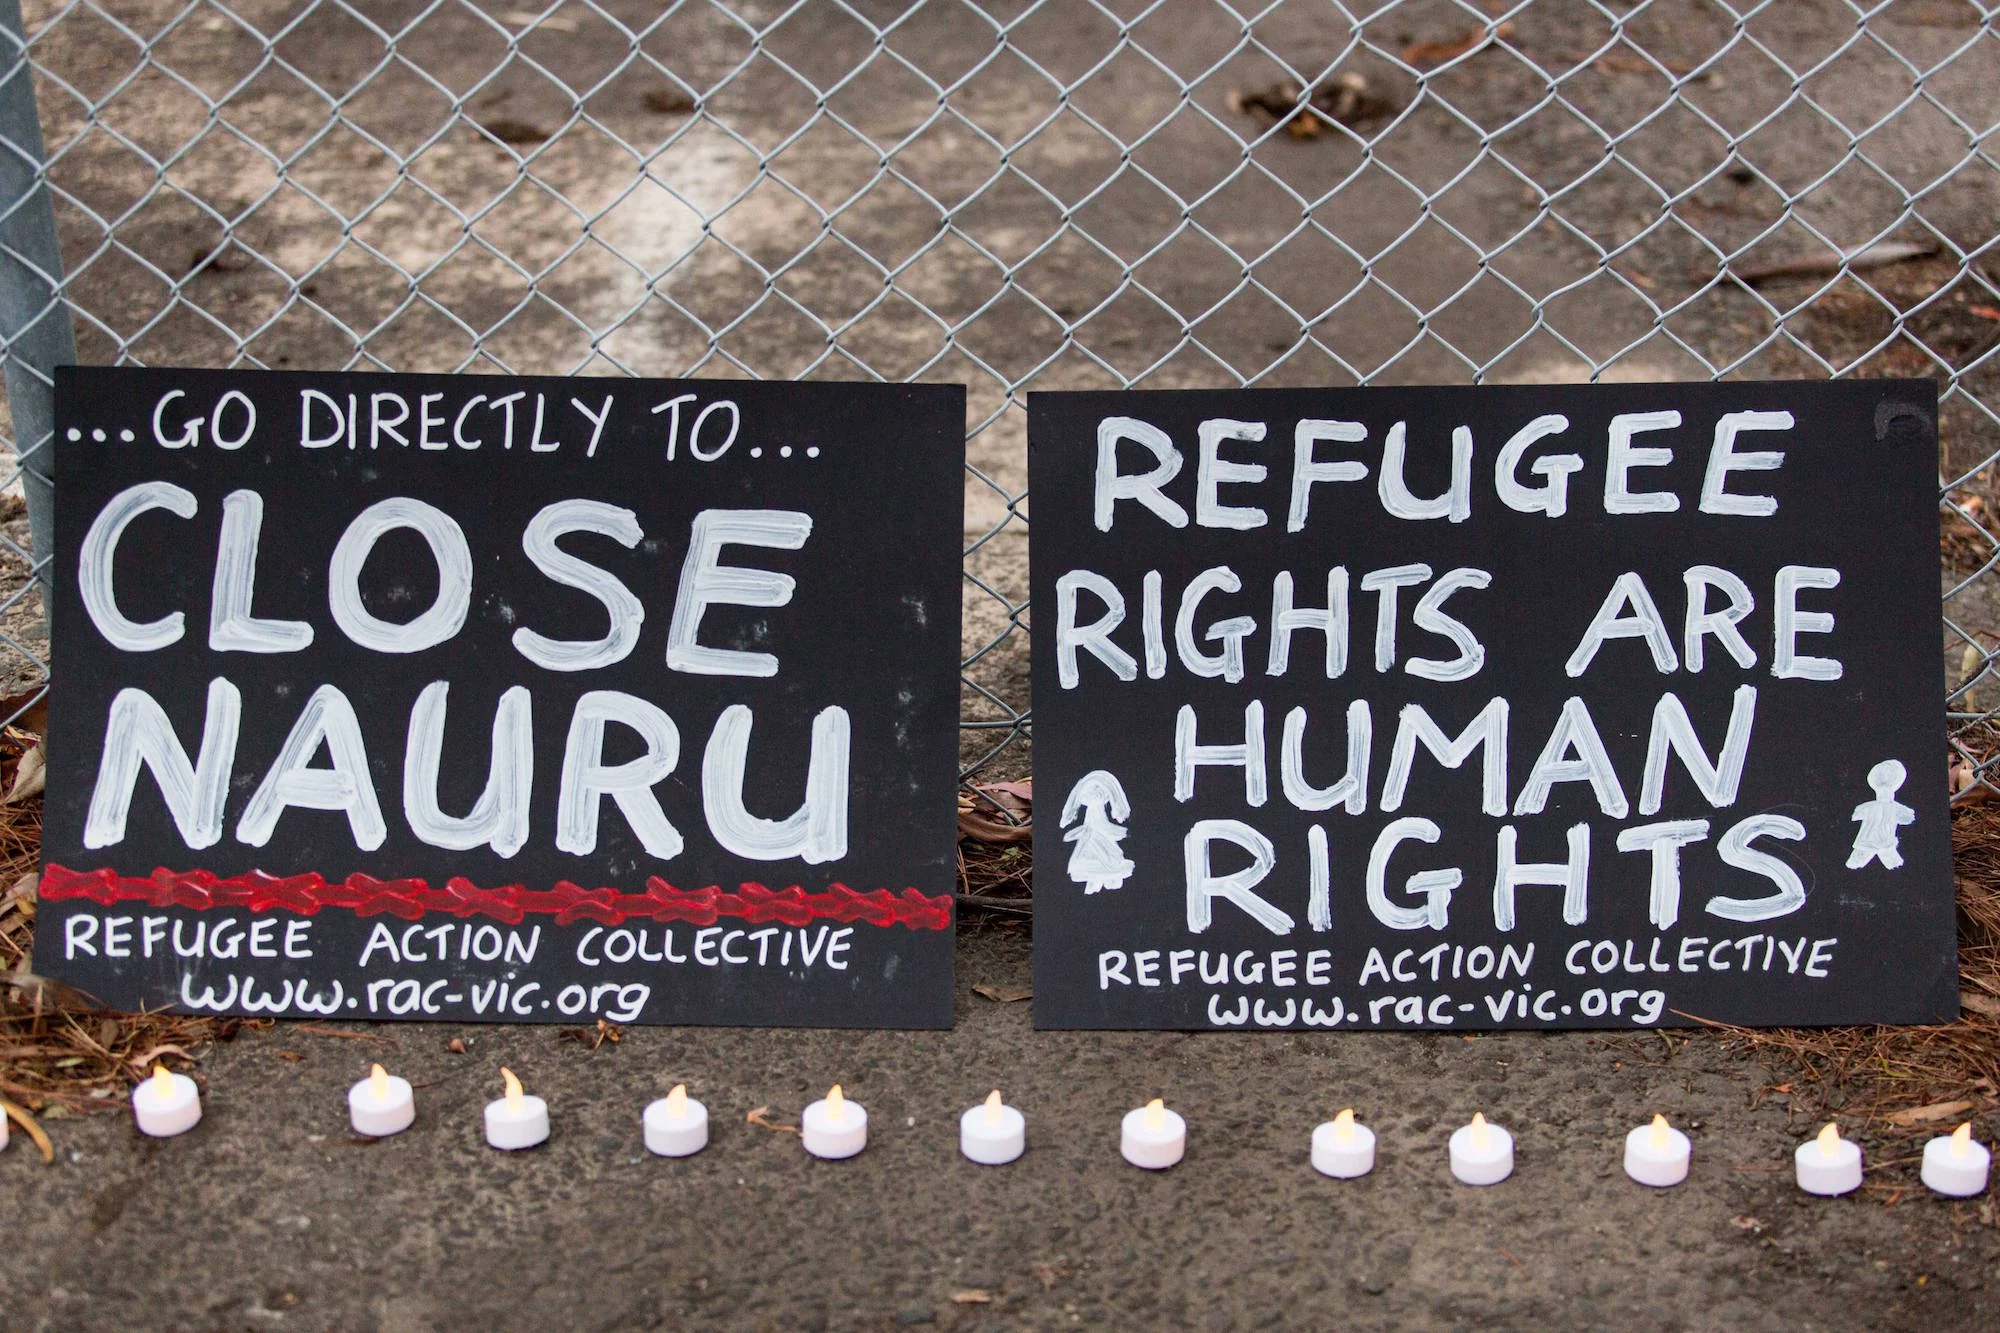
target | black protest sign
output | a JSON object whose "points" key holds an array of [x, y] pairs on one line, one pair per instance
{"points": [[1600, 706], [472, 698]]}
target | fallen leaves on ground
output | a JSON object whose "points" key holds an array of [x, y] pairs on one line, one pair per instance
{"points": [[1979, 1004], [512, 130], [1345, 99], [31, 775], [142, 1063], [346, 1034], [997, 812], [528, 18], [761, 1117], [34, 1130], [1004, 994], [592, 1038], [59, 1053], [1964, 777], [973, 1297], [1926, 1115], [1429, 55], [1619, 62], [668, 101], [28, 711], [1828, 262]]}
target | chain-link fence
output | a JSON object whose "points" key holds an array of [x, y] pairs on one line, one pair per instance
{"points": [[1014, 194]]}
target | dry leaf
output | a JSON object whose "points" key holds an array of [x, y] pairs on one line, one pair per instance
{"points": [[1345, 98], [761, 1117], [997, 812], [28, 711], [1427, 55], [508, 129], [1619, 62], [30, 777], [668, 101], [322, 1030], [1004, 994], [35, 1131], [145, 1061], [1964, 778], [1830, 261], [528, 18], [1979, 1004], [973, 1297], [592, 1038], [1924, 1115]]}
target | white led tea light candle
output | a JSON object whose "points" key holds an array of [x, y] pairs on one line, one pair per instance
{"points": [[1829, 1164], [1657, 1154], [381, 1104], [1343, 1149], [516, 1120], [1152, 1136], [1956, 1166], [1481, 1154], [166, 1104], [834, 1127], [676, 1124], [992, 1133]]}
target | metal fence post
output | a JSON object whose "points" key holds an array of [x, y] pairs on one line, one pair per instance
{"points": [[35, 332]]}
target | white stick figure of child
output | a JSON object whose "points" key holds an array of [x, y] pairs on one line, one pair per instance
{"points": [[1877, 838]]}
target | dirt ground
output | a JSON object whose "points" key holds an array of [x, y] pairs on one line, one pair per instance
{"points": [[559, 204], [270, 1215]]}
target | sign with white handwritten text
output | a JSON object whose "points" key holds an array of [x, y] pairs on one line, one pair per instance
{"points": [[1448, 708], [484, 699]]}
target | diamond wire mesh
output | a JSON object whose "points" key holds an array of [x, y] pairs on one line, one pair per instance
{"points": [[1042, 193]]}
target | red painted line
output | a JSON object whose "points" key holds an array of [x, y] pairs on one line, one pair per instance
{"points": [[409, 899]]}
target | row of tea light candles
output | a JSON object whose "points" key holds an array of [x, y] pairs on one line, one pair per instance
{"points": [[1152, 1136]]}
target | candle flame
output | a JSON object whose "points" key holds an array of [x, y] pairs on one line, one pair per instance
{"points": [[163, 1082], [993, 1109], [378, 1081], [1660, 1133], [1156, 1114], [1829, 1139], [1343, 1125], [677, 1102], [836, 1105], [513, 1089], [1961, 1139], [1479, 1131]]}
